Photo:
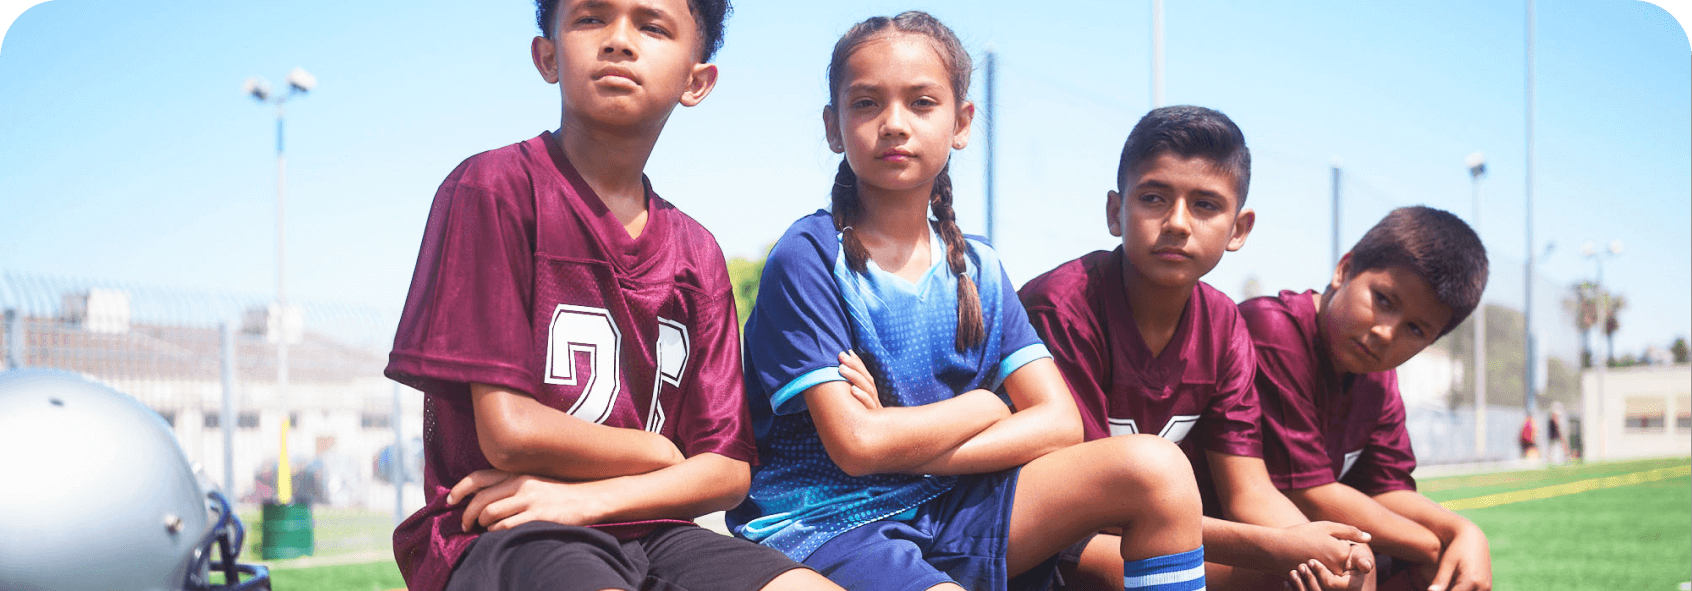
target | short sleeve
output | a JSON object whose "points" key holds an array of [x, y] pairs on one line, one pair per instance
{"points": [[466, 317], [1019, 334], [1294, 451], [798, 327], [1387, 459], [713, 416], [1231, 421]]}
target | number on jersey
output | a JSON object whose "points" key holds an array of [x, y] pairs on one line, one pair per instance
{"points": [[1175, 430], [582, 330]]}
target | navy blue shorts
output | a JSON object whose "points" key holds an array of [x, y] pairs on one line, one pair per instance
{"points": [[960, 537], [540, 555]]}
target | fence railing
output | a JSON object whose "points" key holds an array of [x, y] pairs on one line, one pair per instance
{"points": [[207, 363]]}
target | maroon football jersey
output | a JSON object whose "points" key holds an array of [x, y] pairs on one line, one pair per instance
{"points": [[1320, 426], [1197, 392], [527, 282]]}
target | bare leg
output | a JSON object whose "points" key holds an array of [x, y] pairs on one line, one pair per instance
{"points": [[1141, 483], [799, 579]]}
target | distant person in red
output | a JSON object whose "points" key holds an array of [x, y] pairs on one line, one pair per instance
{"points": [[1333, 423], [1147, 347], [1556, 447], [575, 336], [1530, 450]]}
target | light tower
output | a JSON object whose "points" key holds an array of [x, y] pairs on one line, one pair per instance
{"points": [[284, 322]]}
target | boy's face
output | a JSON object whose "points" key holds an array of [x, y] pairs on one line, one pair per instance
{"points": [[1177, 217], [623, 63], [1379, 318]]}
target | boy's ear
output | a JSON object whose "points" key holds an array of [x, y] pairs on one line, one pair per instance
{"points": [[1113, 213], [1340, 272], [546, 58], [831, 130], [700, 81], [966, 115], [1242, 228]]}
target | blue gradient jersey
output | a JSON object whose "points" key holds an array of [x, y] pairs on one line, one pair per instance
{"points": [[810, 308]]}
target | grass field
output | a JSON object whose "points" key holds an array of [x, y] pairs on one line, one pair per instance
{"points": [[1614, 526]]}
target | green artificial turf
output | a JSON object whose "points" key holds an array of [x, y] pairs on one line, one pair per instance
{"points": [[1629, 537]]}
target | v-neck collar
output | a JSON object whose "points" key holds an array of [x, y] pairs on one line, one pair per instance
{"points": [[1169, 364], [628, 253], [936, 260]]}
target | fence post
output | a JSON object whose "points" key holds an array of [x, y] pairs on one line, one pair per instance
{"points": [[228, 422], [14, 339], [399, 477]]}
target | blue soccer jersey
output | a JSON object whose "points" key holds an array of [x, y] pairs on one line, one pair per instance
{"points": [[810, 308]]}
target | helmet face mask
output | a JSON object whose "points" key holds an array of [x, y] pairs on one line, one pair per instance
{"points": [[109, 500]]}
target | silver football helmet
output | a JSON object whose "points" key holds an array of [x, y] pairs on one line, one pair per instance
{"points": [[99, 496]]}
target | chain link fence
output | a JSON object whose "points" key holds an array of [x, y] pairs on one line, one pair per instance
{"points": [[208, 363]]}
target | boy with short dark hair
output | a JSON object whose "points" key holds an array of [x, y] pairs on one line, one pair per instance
{"points": [[1333, 423], [575, 337], [1147, 347]]}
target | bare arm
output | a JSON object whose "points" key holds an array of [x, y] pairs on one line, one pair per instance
{"points": [[1247, 495], [863, 437], [1393, 533], [1045, 421], [518, 434], [698, 485], [1465, 562]]}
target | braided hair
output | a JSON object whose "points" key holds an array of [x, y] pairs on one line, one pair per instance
{"points": [[848, 207]]}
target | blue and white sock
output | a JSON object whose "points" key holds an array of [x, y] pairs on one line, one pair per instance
{"points": [[1174, 572]]}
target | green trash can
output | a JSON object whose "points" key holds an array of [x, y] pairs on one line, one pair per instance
{"points": [[287, 531]]}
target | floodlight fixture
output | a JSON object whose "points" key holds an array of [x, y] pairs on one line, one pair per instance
{"points": [[1477, 164], [257, 87], [300, 80]]}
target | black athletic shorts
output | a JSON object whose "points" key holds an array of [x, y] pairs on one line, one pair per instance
{"points": [[541, 555]]}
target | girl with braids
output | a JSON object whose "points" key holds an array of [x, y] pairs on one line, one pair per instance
{"points": [[879, 338]]}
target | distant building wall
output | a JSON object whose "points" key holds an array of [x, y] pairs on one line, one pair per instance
{"points": [[1637, 412]]}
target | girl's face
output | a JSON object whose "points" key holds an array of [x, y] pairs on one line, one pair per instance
{"points": [[897, 119]]}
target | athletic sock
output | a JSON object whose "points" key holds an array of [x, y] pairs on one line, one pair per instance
{"points": [[1173, 572]]}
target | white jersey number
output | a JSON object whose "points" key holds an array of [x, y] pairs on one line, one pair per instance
{"points": [[1175, 430], [591, 331]]}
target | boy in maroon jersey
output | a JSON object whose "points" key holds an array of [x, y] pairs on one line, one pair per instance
{"points": [[1149, 348], [575, 336], [1333, 423]]}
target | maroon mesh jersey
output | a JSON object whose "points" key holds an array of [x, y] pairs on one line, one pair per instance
{"points": [[1198, 392], [1319, 426], [527, 282]]}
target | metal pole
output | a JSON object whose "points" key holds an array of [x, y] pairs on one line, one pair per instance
{"points": [[992, 143], [1603, 422], [1480, 347], [282, 292], [1157, 52], [228, 421], [14, 339], [399, 460], [1531, 367], [1336, 249]]}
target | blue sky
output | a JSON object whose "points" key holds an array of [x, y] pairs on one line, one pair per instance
{"points": [[128, 152]]}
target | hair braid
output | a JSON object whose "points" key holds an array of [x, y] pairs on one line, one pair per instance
{"points": [[971, 325], [845, 212]]}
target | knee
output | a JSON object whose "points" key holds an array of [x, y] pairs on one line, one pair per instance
{"points": [[1152, 465]]}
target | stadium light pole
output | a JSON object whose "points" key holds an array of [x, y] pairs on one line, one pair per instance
{"points": [[1157, 53], [1603, 303], [299, 82], [1477, 169]]}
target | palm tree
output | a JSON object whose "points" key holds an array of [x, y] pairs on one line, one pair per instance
{"points": [[1615, 305], [1583, 306]]}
